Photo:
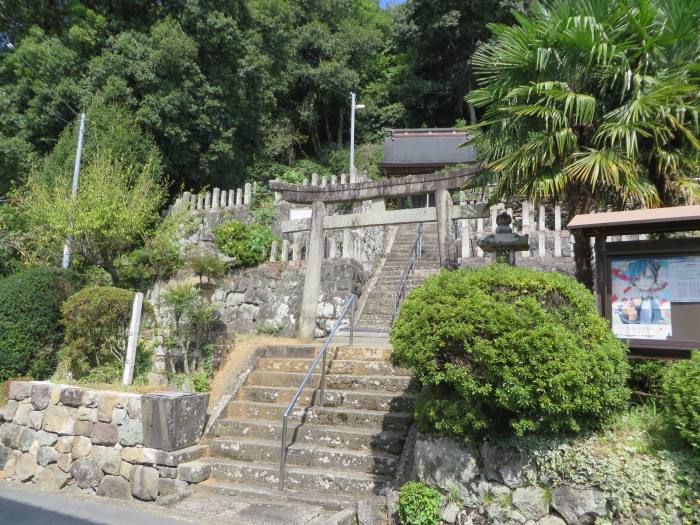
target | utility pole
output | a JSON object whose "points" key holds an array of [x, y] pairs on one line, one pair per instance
{"points": [[353, 107], [74, 188]]}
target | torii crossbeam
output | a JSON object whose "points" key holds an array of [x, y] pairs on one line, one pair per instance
{"points": [[320, 195]]}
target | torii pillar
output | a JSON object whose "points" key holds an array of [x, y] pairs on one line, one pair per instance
{"points": [[312, 274]]}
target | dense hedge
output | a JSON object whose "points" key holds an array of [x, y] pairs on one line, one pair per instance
{"points": [[96, 321], [681, 391], [30, 330], [418, 504], [504, 349], [249, 244]]}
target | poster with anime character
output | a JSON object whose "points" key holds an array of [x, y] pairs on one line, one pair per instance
{"points": [[641, 302]]}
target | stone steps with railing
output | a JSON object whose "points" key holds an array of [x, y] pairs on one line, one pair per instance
{"points": [[346, 450], [379, 308]]}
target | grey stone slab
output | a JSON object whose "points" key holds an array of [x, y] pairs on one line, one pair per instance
{"points": [[173, 422], [41, 396]]}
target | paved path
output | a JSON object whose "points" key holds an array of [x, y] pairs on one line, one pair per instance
{"points": [[29, 506]]}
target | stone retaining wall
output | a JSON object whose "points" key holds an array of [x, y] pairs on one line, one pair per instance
{"points": [[59, 435]]}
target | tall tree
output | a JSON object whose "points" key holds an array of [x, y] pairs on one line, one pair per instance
{"points": [[435, 39], [594, 103]]}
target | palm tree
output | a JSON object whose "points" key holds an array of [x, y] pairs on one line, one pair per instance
{"points": [[593, 103]]}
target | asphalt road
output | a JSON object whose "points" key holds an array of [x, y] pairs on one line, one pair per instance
{"points": [[33, 507]]}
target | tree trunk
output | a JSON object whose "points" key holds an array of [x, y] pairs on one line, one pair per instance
{"points": [[339, 142], [327, 124], [580, 201]]}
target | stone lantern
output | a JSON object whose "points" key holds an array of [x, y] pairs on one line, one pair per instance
{"points": [[503, 244]]}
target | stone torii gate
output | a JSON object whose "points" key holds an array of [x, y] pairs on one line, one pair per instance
{"points": [[318, 196]]}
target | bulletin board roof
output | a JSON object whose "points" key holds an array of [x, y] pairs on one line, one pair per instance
{"points": [[676, 218]]}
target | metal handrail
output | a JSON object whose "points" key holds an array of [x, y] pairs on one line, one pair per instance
{"points": [[349, 305], [416, 252]]}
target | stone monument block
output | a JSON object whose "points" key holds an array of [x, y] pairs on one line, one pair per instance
{"points": [[173, 420]]}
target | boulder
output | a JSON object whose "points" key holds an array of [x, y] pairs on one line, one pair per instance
{"points": [[64, 444], [114, 487], [10, 409], [194, 471], [81, 447], [551, 520], [71, 397], [503, 465], [46, 456], [104, 434], [108, 458], [35, 419], [446, 464], [133, 408], [5, 453], [86, 473], [8, 470], [144, 483], [105, 406], [531, 502], [41, 396], [579, 506], [449, 513], [20, 390], [46, 439], [91, 398], [131, 432], [125, 470], [52, 478], [22, 415], [26, 439], [25, 468], [9, 434], [87, 414], [64, 462], [118, 415], [83, 428], [132, 454], [173, 421], [59, 420]]}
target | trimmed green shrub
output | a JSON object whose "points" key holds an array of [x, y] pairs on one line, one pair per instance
{"points": [[30, 313], [504, 349], [418, 504], [646, 375], [204, 264], [96, 321], [681, 391], [249, 244]]}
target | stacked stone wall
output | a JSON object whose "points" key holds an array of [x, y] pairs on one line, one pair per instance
{"points": [[58, 435]]}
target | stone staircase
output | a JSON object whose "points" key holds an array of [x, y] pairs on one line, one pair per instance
{"points": [[345, 451], [378, 310]]}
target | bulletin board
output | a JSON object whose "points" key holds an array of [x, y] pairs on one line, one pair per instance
{"points": [[652, 295]]}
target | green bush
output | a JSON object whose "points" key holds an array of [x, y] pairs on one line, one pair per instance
{"points": [[418, 504], [30, 312], [681, 391], [504, 349], [96, 321], [646, 375], [249, 244], [206, 264]]}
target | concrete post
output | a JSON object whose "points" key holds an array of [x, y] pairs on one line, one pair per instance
{"points": [[187, 200], [443, 207], [494, 213], [207, 200], [200, 201], [231, 198], [296, 248], [324, 181], [278, 197], [224, 200], [332, 247], [314, 179], [285, 250], [239, 197], [479, 231], [334, 179], [541, 218], [343, 178], [347, 244], [312, 279], [466, 233], [247, 194], [273, 251], [133, 341], [541, 243], [216, 198], [193, 202]]}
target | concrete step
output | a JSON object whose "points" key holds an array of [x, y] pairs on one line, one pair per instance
{"points": [[334, 366], [395, 421], [305, 455], [364, 400], [338, 436], [297, 478], [338, 352], [253, 492], [334, 381]]}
